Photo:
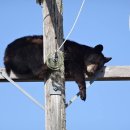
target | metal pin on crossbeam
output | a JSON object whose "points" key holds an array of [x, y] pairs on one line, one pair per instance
{"points": [[22, 90]]}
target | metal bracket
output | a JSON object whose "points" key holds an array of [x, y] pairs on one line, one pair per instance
{"points": [[55, 89]]}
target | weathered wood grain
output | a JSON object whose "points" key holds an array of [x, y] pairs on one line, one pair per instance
{"points": [[53, 37], [109, 73]]}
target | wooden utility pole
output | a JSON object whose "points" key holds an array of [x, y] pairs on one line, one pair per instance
{"points": [[53, 37]]}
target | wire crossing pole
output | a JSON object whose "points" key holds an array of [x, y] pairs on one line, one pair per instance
{"points": [[54, 95]]}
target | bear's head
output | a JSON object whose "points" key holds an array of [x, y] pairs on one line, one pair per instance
{"points": [[96, 60]]}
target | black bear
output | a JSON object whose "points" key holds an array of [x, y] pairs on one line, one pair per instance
{"points": [[24, 56]]}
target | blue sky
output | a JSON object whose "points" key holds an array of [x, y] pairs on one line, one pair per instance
{"points": [[107, 106]]}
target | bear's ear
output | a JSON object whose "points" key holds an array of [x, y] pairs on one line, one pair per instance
{"points": [[107, 59], [98, 48]]}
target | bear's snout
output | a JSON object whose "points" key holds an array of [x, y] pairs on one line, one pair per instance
{"points": [[91, 69]]}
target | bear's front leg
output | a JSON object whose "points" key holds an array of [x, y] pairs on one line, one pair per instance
{"points": [[76, 71], [82, 86]]}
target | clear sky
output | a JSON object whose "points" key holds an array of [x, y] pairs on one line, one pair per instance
{"points": [[102, 21]]}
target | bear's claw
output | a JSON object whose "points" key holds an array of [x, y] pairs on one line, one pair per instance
{"points": [[83, 95]]}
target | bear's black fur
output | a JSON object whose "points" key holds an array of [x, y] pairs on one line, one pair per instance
{"points": [[24, 56]]}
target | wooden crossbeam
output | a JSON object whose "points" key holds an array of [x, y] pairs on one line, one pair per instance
{"points": [[109, 73]]}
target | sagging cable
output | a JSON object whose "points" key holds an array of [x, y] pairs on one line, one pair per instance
{"points": [[22, 90]]}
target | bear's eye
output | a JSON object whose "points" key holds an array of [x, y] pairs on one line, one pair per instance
{"points": [[92, 58]]}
